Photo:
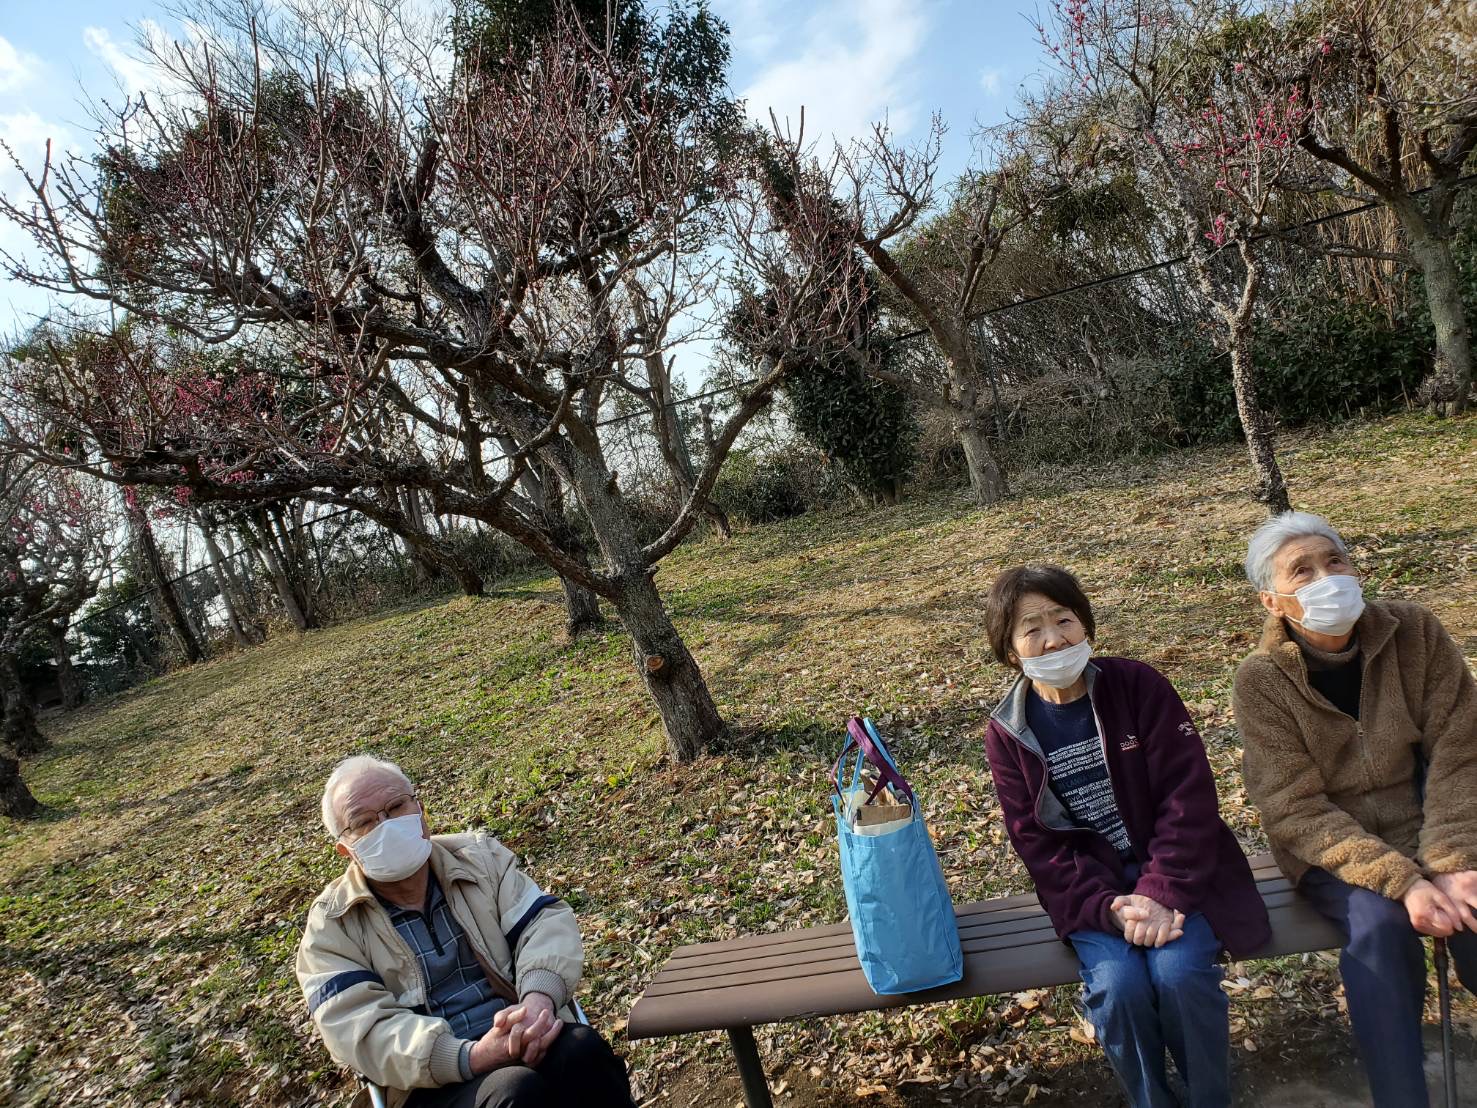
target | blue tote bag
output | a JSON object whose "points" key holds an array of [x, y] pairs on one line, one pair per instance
{"points": [[901, 914]]}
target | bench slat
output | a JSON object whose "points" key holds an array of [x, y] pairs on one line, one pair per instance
{"points": [[810, 963], [971, 917], [1008, 946], [1022, 902], [816, 961], [1264, 870], [815, 940]]}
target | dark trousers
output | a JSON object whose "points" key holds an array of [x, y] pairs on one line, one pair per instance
{"points": [[580, 1069], [1383, 964]]}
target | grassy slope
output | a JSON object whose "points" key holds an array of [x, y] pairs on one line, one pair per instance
{"points": [[147, 927]]}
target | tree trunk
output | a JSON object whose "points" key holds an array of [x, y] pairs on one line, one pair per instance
{"points": [[1271, 489], [169, 600], [1446, 390], [671, 674], [466, 576], [16, 800], [426, 552], [986, 478], [245, 592], [66, 673], [678, 458], [1236, 317], [291, 560], [672, 677], [427, 568], [235, 614], [583, 608], [717, 519], [528, 479], [966, 373], [19, 729], [673, 680], [581, 605], [285, 592]]}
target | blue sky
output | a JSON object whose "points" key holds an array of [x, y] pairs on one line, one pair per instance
{"points": [[847, 61]]}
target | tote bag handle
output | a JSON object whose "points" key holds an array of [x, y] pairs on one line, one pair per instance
{"points": [[862, 734]]}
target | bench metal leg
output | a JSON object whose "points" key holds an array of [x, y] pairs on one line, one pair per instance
{"points": [[751, 1070]]}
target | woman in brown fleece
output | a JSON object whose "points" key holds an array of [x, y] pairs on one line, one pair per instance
{"points": [[1360, 728]]}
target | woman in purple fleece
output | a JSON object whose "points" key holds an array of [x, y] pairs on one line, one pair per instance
{"points": [[1109, 800]]}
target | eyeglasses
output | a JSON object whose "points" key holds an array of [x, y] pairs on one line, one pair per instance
{"points": [[403, 805]]}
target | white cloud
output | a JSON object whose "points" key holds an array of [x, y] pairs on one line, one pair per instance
{"points": [[16, 68], [753, 25], [26, 134], [990, 80], [134, 74], [853, 69]]}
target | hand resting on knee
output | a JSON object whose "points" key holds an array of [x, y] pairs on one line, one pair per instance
{"points": [[1146, 922], [1431, 910], [511, 1039]]}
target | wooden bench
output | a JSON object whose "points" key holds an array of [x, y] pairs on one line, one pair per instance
{"points": [[1009, 945]]}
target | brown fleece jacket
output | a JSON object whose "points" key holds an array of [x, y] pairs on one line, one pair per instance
{"points": [[1342, 793]]}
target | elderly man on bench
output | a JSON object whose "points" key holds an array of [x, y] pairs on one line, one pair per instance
{"points": [[436, 968], [1360, 728]]}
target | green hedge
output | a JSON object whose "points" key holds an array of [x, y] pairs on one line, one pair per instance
{"points": [[1321, 361], [763, 488], [1320, 365], [868, 427]]}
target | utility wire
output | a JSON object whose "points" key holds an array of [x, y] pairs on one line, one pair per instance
{"points": [[723, 390], [1153, 267]]}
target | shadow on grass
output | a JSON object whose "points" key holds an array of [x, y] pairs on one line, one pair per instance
{"points": [[178, 1060], [87, 959], [808, 735], [49, 812]]}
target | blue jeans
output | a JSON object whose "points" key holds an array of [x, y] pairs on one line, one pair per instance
{"points": [[1383, 964], [1142, 1001]]}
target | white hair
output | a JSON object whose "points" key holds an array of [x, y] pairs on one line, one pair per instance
{"points": [[1270, 537], [345, 772]]}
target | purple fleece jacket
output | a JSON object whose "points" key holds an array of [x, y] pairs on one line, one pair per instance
{"points": [[1189, 859]]}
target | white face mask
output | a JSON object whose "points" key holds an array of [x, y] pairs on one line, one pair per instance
{"points": [[393, 850], [1058, 668], [1331, 605]]}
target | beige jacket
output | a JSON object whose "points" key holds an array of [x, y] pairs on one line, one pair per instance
{"points": [[1342, 793], [364, 986]]}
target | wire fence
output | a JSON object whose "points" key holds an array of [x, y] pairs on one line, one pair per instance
{"points": [[1084, 364]]}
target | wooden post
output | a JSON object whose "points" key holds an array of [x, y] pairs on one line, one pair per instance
{"points": [[751, 1070]]}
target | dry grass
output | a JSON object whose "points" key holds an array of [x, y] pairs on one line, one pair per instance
{"points": [[147, 925]]}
